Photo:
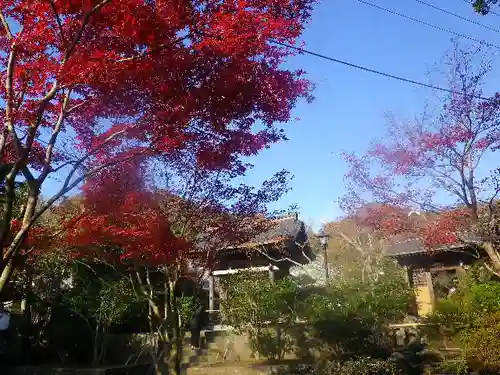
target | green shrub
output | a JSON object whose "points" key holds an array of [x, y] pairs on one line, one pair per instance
{"points": [[265, 343], [348, 336], [476, 297], [414, 359], [471, 317], [186, 306], [386, 300], [256, 305], [452, 368], [346, 316], [481, 345], [361, 366]]}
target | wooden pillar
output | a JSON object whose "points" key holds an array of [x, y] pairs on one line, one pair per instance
{"points": [[325, 263], [424, 291], [211, 292], [278, 327], [430, 285], [407, 271], [271, 272]]}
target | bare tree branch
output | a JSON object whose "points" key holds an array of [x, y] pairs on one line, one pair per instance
{"points": [[489, 268], [18, 239], [281, 260], [53, 138], [6, 26], [59, 23], [79, 34], [302, 247]]}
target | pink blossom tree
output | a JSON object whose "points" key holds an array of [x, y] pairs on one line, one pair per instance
{"points": [[439, 167]]}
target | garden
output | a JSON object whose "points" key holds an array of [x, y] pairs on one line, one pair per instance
{"points": [[129, 135], [290, 325]]}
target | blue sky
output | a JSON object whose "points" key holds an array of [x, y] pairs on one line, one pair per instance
{"points": [[349, 106]]}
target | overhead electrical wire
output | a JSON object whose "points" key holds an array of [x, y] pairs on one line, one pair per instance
{"points": [[457, 16], [378, 72], [388, 75], [429, 24]]}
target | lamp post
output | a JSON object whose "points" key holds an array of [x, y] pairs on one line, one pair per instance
{"points": [[323, 239]]}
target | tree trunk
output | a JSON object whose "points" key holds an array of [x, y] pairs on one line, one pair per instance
{"points": [[27, 300], [7, 211], [168, 356], [7, 270], [493, 255], [97, 335], [176, 341], [6, 255], [102, 346]]}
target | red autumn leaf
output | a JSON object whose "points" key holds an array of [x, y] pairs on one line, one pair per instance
{"points": [[92, 84]]}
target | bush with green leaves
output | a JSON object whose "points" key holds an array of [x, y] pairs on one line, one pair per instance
{"points": [[481, 345], [350, 314], [186, 305], [475, 298], [257, 305], [414, 358], [253, 299], [385, 299], [102, 298], [347, 316], [455, 367], [360, 366], [363, 366], [471, 317]]}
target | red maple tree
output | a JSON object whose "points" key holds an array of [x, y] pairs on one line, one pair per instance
{"points": [[173, 231], [93, 83], [119, 219], [413, 172]]}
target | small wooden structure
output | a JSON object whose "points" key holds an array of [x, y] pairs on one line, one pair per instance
{"points": [[425, 266], [285, 244]]}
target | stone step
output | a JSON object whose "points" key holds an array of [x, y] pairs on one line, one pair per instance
{"points": [[193, 357], [211, 349], [210, 352]]}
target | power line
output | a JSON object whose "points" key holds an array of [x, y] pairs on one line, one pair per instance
{"points": [[388, 75], [429, 24], [457, 16]]}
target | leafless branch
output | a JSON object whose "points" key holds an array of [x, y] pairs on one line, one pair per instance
{"points": [[76, 106], [488, 267], [53, 137], [6, 26], [153, 50], [281, 260], [67, 186], [302, 247], [79, 34], [59, 23], [14, 246], [80, 161]]}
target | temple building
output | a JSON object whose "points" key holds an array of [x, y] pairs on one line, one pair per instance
{"points": [[274, 252], [427, 269]]}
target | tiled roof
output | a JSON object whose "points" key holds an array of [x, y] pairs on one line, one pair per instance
{"points": [[281, 229], [416, 245], [288, 230], [287, 227]]}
